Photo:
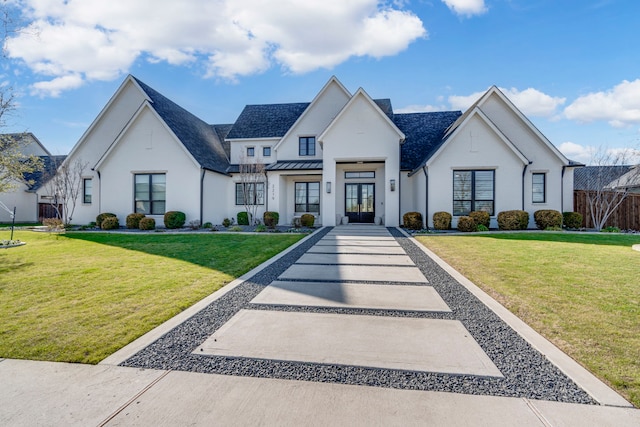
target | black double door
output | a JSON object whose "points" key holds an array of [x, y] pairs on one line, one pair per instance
{"points": [[360, 202]]}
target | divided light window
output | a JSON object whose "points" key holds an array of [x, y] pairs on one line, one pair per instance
{"points": [[266, 151], [150, 193], [251, 192], [473, 190], [251, 151], [307, 146], [539, 187], [360, 174], [87, 189], [308, 197]]}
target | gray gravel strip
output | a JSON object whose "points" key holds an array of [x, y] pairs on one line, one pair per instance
{"points": [[527, 373]]}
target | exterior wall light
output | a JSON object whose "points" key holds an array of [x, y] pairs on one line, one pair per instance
{"points": [[392, 184], [328, 185]]}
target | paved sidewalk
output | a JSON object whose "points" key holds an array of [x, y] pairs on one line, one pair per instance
{"points": [[356, 325]]}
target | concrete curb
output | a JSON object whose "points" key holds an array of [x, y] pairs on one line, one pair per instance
{"points": [[581, 376], [135, 346]]}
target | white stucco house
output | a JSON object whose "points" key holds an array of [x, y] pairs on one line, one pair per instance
{"points": [[340, 155], [29, 206]]}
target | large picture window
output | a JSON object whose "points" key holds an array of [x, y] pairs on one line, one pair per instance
{"points": [[87, 190], [249, 193], [308, 197], [538, 189], [307, 146], [473, 190], [150, 193]]}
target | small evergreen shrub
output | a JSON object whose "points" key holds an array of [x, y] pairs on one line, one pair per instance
{"points": [[481, 218], [442, 220], [110, 223], [547, 218], [481, 227], [227, 222], [207, 225], [466, 224], [260, 228], [412, 221], [572, 219], [271, 219], [307, 220], [513, 220], [174, 219], [243, 218], [133, 220], [147, 223], [101, 218]]}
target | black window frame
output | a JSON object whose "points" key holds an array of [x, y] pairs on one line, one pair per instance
{"points": [[251, 151], [305, 206], [257, 195], [153, 203], [473, 200], [307, 146], [266, 151], [86, 195], [359, 174], [533, 187]]}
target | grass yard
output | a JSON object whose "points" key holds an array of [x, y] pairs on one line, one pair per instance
{"points": [[79, 297], [581, 291]]}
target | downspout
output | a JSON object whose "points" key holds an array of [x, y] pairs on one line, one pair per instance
{"points": [[426, 198], [400, 183], [524, 171], [100, 192], [202, 172], [564, 168], [266, 191]]}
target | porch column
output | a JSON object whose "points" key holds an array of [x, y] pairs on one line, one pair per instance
{"points": [[328, 200]]}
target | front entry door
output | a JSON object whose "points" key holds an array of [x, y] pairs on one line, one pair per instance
{"points": [[360, 202]]}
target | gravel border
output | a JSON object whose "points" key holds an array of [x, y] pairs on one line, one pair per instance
{"points": [[527, 373]]}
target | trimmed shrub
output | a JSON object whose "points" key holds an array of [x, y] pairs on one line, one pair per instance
{"points": [[110, 223], [481, 218], [307, 220], [147, 223], [513, 220], [466, 224], [227, 222], [271, 219], [174, 219], [547, 218], [133, 220], [207, 225], [412, 221], [102, 216], [572, 219], [442, 220], [243, 218]]}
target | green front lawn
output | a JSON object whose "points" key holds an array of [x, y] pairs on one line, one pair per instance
{"points": [[78, 297], [581, 291]]}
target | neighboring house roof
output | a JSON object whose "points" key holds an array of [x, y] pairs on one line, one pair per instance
{"points": [[27, 138], [266, 120], [49, 166], [424, 134], [198, 137], [591, 178], [385, 105], [630, 180]]}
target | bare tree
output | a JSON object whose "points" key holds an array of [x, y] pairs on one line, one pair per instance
{"points": [[65, 187], [252, 178], [606, 191]]}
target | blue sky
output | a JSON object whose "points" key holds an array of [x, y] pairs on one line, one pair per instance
{"points": [[572, 66]]}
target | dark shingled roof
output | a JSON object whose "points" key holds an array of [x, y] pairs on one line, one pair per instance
{"points": [[385, 106], [39, 178], [597, 177], [424, 135], [222, 131], [198, 137], [266, 121]]}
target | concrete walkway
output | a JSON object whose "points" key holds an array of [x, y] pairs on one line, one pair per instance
{"points": [[356, 330]]}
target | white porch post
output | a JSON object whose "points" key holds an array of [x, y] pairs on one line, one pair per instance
{"points": [[328, 200]]}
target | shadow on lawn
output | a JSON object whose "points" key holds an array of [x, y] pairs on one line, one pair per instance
{"points": [[607, 239]]}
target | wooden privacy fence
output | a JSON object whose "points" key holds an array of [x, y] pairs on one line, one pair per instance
{"points": [[625, 217]]}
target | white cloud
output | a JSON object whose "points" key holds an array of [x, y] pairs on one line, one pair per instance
{"points": [[600, 155], [56, 86], [466, 7], [619, 106], [98, 40], [416, 108], [531, 102]]}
